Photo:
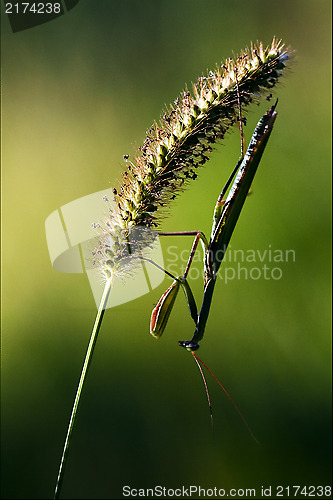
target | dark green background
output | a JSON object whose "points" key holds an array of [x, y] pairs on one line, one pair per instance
{"points": [[78, 93]]}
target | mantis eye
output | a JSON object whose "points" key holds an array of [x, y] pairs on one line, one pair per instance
{"points": [[188, 345]]}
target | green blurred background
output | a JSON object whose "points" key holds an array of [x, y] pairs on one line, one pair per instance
{"points": [[78, 93]]}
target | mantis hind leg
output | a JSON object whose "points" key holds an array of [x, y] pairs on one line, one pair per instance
{"points": [[162, 310]]}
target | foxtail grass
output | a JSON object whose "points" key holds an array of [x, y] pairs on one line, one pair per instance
{"points": [[182, 142], [173, 151]]}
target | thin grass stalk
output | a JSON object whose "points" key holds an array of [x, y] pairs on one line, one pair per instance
{"points": [[86, 364]]}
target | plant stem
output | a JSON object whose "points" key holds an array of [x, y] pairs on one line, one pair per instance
{"points": [[87, 361]]}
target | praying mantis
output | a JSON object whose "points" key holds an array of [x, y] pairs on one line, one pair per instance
{"points": [[170, 153], [225, 218]]}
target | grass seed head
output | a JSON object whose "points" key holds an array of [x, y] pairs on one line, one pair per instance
{"points": [[179, 144]]}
